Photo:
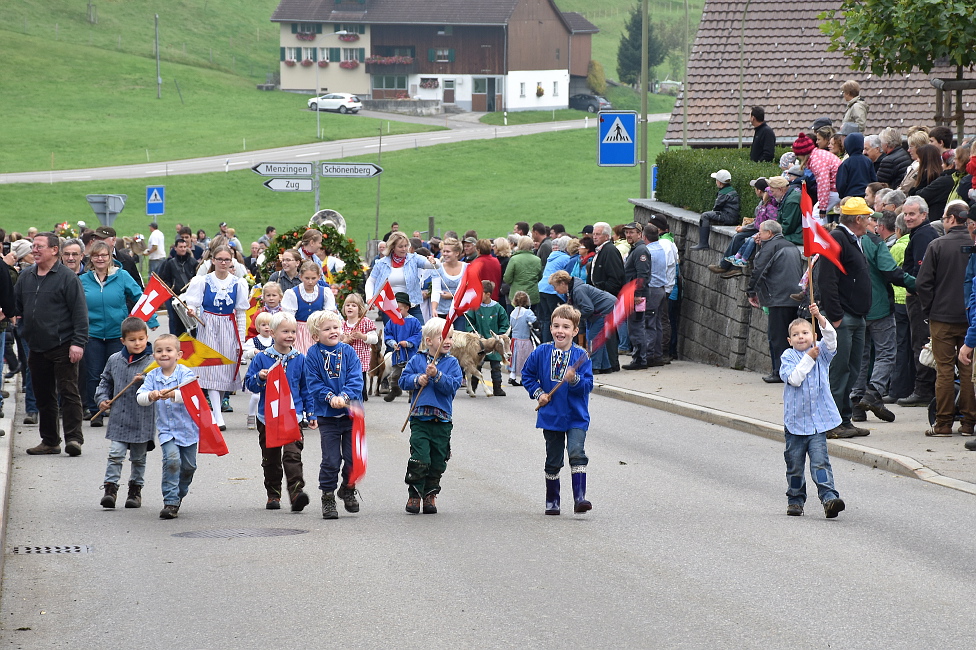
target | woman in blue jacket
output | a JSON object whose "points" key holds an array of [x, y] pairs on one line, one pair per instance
{"points": [[402, 269], [107, 288]]}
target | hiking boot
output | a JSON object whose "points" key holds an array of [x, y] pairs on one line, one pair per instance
{"points": [[299, 501], [274, 503], [43, 449], [497, 391], [858, 414], [329, 510], [833, 508], [225, 406], [134, 498], [716, 269], [252, 422], [734, 272], [840, 431], [966, 429], [348, 496], [430, 504], [98, 420], [31, 418], [111, 492], [794, 510], [797, 296], [413, 505], [72, 448], [858, 431], [889, 399], [880, 411], [169, 512], [914, 400]]}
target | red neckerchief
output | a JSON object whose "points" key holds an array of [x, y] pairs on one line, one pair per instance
{"points": [[397, 262]]}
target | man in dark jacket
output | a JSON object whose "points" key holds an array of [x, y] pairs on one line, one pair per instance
{"points": [[855, 173], [638, 267], [607, 274], [896, 160], [763, 140], [921, 234], [725, 211], [940, 292], [845, 299], [776, 272], [177, 272]]}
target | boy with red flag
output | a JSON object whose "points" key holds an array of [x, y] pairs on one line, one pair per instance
{"points": [[277, 376], [816, 238], [178, 434]]}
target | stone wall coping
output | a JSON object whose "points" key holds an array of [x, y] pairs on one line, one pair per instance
{"points": [[668, 210]]}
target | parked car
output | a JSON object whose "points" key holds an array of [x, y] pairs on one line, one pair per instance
{"points": [[341, 102], [589, 103]]}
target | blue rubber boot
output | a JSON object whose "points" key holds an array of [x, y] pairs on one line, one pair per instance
{"points": [[552, 494], [579, 490]]}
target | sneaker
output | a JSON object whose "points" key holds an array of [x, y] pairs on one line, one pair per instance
{"points": [[299, 501], [413, 505], [939, 432], [914, 400], [833, 508], [169, 512], [329, 510], [733, 273], [252, 422], [98, 420], [273, 504], [430, 504], [881, 411], [31, 418], [794, 510], [966, 429], [72, 448], [348, 496], [741, 263], [730, 259], [43, 449], [225, 406], [859, 414]]}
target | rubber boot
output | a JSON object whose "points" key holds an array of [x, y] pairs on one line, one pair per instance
{"points": [[579, 490], [134, 498], [703, 232], [111, 492], [395, 390], [552, 494]]}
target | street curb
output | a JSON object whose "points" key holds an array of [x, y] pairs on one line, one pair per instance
{"points": [[875, 458], [6, 465]]}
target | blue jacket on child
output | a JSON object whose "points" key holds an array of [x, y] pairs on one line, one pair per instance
{"points": [[294, 363], [410, 332], [440, 390], [568, 407], [332, 371]]}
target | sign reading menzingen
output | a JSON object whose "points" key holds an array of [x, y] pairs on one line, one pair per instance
{"points": [[283, 169]]}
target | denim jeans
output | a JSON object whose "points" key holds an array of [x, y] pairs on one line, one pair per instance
{"points": [[623, 337], [601, 357], [657, 309], [53, 376], [559, 442], [179, 464], [798, 448], [97, 352], [336, 434], [116, 456], [881, 333], [846, 365]]}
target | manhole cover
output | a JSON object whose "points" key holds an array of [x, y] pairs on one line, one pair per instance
{"points": [[47, 550], [228, 533]]}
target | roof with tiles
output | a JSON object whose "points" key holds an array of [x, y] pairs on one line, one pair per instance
{"points": [[578, 24], [429, 12], [789, 71]]}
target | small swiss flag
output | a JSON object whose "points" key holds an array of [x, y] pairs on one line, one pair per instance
{"points": [[155, 294], [386, 302]]}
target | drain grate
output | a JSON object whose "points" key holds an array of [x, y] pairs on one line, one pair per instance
{"points": [[230, 533], [49, 550]]}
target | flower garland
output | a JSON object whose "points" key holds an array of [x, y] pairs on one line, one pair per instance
{"points": [[323, 64], [351, 64], [290, 63], [351, 278], [307, 62], [348, 38], [305, 36], [430, 83], [390, 60]]}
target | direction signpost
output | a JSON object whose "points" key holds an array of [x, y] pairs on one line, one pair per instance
{"points": [[350, 170], [284, 168], [304, 176], [289, 184]]}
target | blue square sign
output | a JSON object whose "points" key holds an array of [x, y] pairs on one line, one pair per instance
{"points": [[617, 139], [155, 200]]}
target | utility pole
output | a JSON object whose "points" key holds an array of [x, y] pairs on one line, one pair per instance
{"points": [[684, 85], [644, 88], [379, 156], [159, 78], [742, 56]]}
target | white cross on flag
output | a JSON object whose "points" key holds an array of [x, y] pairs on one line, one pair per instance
{"points": [[816, 239], [155, 294], [280, 419], [386, 302]]}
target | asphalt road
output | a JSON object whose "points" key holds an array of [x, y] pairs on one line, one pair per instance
{"points": [[688, 545]]}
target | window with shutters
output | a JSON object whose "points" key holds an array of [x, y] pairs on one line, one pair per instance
{"points": [[443, 55], [309, 53], [354, 54], [306, 28], [349, 29], [293, 53]]}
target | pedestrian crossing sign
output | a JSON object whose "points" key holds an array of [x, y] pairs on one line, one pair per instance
{"points": [[155, 200], [617, 139]]}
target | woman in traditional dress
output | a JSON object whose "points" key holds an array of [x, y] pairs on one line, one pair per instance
{"points": [[220, 299]]}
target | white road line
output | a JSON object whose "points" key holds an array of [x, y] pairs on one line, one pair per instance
{"points": [[306, 155], [441, 138], [154, 171]]}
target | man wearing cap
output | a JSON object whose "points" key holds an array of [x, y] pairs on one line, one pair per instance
{"points": [[725, 212], [607, 274], [744, 232], [763, 140], [107, 234], [156, 251], [638, 267], [940, 292], [587, 230], [51, 302], [845, 299], [470, 251]]}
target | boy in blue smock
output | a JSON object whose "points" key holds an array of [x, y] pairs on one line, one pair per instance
{"points": [[809, 412], [334, 378], [564, 415], [403, 341], [281, 462], [431, 418]]}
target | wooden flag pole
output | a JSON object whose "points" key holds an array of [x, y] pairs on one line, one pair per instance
{"points": [[576, 366], [421, 389], [117, 395], [177, 299], [813, 321]]}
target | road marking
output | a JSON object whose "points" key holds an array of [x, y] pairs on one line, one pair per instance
{"points": [[441, 138], [71, 178], [155, 171], [306, 155]]}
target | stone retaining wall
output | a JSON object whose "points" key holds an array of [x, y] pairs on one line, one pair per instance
{"points": [[718, 326], [419, 107]]}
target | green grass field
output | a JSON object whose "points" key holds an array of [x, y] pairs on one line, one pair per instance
{"points": [[487, 185]]}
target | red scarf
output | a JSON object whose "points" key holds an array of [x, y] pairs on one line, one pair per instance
{"points": [[397, 262]]}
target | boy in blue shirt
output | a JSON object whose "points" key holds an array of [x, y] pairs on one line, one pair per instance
{"points": [[283, 461], [333, 378], [809, 411], [178, 434], [564, 416], [403, 341], [431, 417]]}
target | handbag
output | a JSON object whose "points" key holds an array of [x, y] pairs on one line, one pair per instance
{"points": [[925, 357]]}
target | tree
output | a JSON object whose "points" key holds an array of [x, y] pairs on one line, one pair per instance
{"points": [[895, 36], [595, 78], [629, 51]]}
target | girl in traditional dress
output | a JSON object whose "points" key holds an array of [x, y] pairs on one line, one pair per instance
{"points": [[359, 332], [310, 296], [220, 299]]}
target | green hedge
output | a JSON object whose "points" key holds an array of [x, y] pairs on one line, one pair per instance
{"points": [[684, 177]]}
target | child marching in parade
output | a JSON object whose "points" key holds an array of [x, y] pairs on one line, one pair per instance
{"points": [[436, 377], [359, 332], [306, 299], [403, 341], [254, 346], [563, 413]]}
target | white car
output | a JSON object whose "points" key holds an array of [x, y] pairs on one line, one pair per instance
{"points": [[341, 102]]}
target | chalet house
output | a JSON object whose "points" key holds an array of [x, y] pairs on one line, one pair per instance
{"points": [[788, 70], [480, 55]]}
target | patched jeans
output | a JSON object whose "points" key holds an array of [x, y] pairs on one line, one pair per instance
{"points": [[560, 442], [116, 456], [798, 448], [179, 464]]}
